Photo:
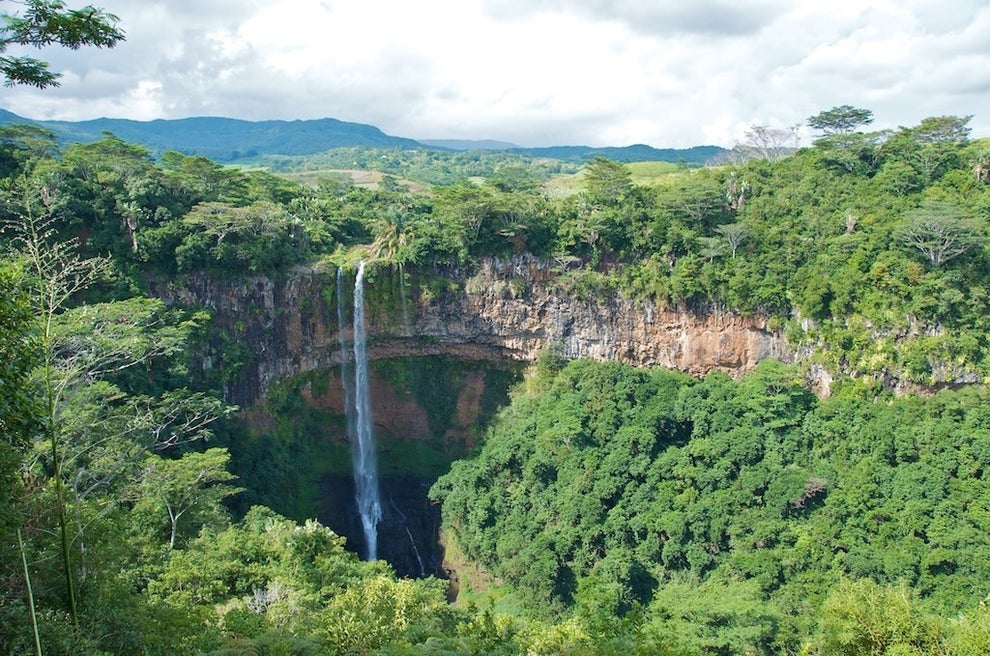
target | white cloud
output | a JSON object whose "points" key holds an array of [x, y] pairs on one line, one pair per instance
{"points": [[536, 72]]}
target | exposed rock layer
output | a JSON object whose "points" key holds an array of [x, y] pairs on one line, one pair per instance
{"points": [[509, 309]]}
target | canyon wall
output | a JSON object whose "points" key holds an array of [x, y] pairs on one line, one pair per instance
{"points": [[510, 309], [443, 351]]}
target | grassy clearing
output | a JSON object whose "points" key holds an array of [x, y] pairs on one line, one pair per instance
{"points": [[562, 186], [642, 173], [649, 173], [358, 177]]}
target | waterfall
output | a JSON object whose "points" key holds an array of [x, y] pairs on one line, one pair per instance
{"points": [[405, 521], [405, 304], [422, 569], [346, 359], [363, 447]]}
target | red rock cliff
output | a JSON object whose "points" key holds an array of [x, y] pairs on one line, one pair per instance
{"points": [[510, 309]]}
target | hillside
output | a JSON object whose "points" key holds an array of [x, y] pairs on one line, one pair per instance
{"points": [[468, 144], [231, 140], [696, 156], [225, 139]]}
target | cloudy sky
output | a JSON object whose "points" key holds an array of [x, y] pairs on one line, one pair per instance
{"points": [[668, 73]]}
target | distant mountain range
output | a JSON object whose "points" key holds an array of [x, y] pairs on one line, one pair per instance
{"points": [[230, 140], [469, 144]]}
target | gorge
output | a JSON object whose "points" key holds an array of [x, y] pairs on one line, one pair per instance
{"points": [[443, 352]]}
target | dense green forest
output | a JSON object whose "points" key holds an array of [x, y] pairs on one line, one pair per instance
{"points": [[607, 509]]}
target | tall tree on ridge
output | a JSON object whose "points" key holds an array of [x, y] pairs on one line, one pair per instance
{"points": [[840, 120]]}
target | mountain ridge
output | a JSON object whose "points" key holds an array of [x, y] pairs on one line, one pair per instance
{"points": [[229, 140]]}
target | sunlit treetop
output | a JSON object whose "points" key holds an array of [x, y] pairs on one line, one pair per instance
{"points": [[840, 120]]}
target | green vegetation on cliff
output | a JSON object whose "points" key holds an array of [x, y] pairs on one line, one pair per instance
{"points": [[869, 248]]}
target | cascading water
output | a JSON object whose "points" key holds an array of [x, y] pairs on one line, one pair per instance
{"points": [[405, 304], [346, 359], [363, 447], [412, 541], [418, 556]]}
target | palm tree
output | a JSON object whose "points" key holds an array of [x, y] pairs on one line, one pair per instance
{"points": [[981, 166], [393, 235]]}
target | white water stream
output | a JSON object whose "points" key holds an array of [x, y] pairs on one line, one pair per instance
{"points": [[357, 399]]}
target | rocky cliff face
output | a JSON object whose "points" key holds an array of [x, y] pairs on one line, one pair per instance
{"points": [[507, 310]]}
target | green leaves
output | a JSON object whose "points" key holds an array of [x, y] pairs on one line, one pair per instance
{"points": [[840, 120], [19, 354], [860, 617], [940, 232], [194, 484], [606, 183], [47, 22], [722, 510], [384, 611]]}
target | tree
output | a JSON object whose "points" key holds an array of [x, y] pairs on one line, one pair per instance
{"points": [[736, 192], [711, 247], [735, 234], [393, 236], [771, 144], [257, 237], [49, 22], [110, 189], [17, 358], [698, 200], [483, 218], [712, 618], [204, 178], [943, 130], [18, 411], [194, 482], [222, 220], [91, 431], [939, 231], [56, 274], [20, 145], [980, 164], [861, 617], [381, 611], [606, 183], [934, 146], [851, 152], [840, 120]]}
